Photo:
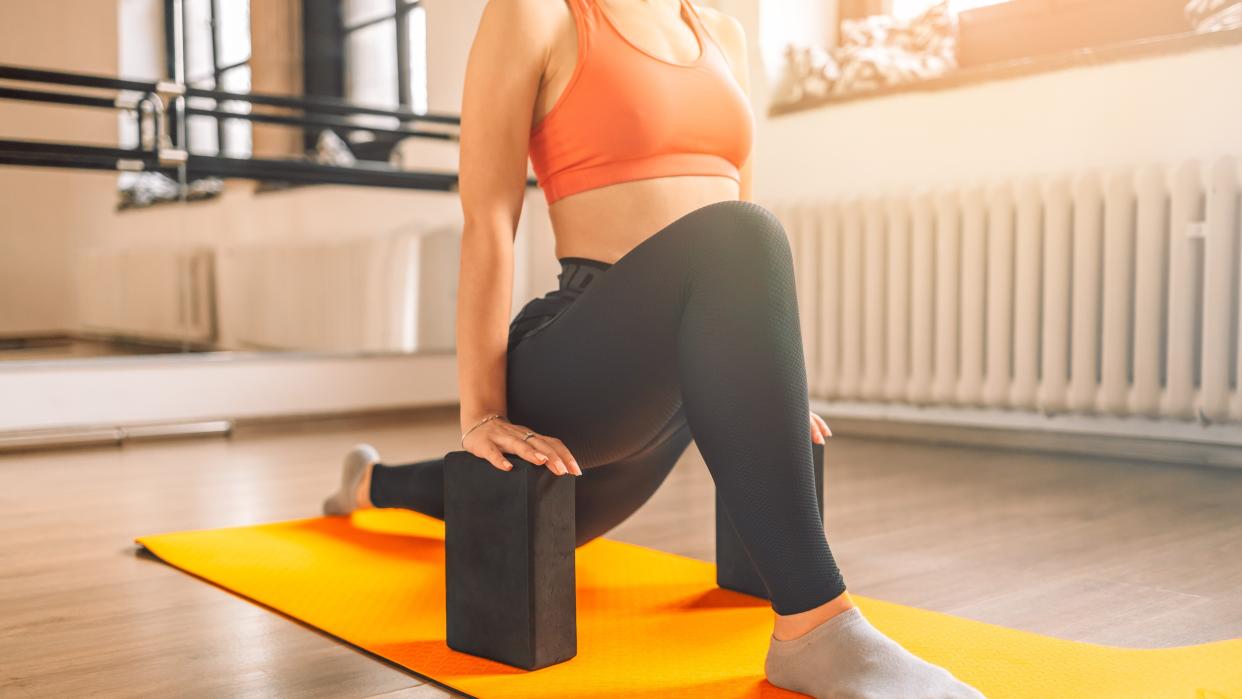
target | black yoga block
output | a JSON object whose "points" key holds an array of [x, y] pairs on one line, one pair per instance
{"points": [[509, 561], [734, 569]]}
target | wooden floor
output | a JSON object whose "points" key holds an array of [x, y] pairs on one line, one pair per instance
{"points": [[1128, 554]]}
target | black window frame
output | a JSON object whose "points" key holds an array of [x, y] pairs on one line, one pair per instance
{"points": [[218, 71], [401, 22], [325, 36]]}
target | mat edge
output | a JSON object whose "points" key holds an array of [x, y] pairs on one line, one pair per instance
{"points": [[288, 616]]}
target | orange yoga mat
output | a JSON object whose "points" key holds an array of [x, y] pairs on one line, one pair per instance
{"points": [[650, 624]]}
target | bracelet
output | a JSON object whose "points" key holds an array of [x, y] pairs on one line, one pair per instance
{"points": [[493, 416]]}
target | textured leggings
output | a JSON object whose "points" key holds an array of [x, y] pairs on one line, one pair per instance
{"points": [[692, 334]]}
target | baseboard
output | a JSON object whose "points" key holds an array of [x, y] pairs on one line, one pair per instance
{"points": [[177, 389], [83, 436], [1143, 439], [107, 435]]}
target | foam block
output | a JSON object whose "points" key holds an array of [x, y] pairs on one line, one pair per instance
{"points": [[509, 561]]}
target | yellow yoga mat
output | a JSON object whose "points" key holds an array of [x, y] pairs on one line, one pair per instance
{"points": [[650, 624]]}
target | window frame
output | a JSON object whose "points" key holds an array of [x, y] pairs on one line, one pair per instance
{"points": [[218, 71], [325, 37], [400, 16]]}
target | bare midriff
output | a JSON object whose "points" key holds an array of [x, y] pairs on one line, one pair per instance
{"points": [[607, 222]]}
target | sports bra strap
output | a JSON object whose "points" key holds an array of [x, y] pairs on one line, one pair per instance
{"points": [[696, 21], [583, 23], [582, 7]]}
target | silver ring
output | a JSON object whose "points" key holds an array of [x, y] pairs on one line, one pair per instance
{"points": [[528, 435]]}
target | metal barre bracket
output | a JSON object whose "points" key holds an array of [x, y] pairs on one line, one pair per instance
{"points": [[173, 157], [169, 88]]}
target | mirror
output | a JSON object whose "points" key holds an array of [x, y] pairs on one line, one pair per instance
{"points": [[289, 200]]}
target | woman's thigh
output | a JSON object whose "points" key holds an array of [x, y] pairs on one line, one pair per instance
{"points": [[603, 375], [607, 495]]}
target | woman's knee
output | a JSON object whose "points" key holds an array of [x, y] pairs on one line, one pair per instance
{"points": [[745, 235]]}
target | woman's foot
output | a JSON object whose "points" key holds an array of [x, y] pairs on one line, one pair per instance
{"points": [[846, 657], [355, 482]]}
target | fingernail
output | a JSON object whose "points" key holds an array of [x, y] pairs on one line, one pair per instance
{"points": [[577, 468], [508, 466], [542, 457]]}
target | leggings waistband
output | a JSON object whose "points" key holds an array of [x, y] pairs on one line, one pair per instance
{"points": [[576, 275], [578, 272]]}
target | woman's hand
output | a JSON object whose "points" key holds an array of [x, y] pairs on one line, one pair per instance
{"points": [[819, 429], [489, 440]]}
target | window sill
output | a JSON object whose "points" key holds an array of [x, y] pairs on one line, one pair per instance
{"points": [[1175, 43]]}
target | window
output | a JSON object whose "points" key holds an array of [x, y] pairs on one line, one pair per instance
{"points": [[217, 56], [996, 31], [386, 53], [216, 48], [372, 53]]}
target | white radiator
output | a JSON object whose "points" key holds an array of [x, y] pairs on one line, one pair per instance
{"points": [[1111, 293], [159, 295], [380, 293]]}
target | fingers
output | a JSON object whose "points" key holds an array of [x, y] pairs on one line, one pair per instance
{"points": [[819, 429], [824, 426], [534, 453], [503, 438], [494, 457], [555, 448], [568, 458], [539, 449]]}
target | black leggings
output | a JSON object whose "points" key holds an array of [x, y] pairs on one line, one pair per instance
{"points": [[694, 332]]}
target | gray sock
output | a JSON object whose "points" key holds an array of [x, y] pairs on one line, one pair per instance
{"points": [[358, 464], [848, 658]]}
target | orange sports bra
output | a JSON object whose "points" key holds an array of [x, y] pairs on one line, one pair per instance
{"points": [[628, 115]]}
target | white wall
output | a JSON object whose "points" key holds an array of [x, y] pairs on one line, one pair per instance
{"points": [[450, 31], [1156, 109]]}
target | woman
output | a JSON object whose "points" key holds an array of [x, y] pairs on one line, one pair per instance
{"points": [[676, 312]]}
